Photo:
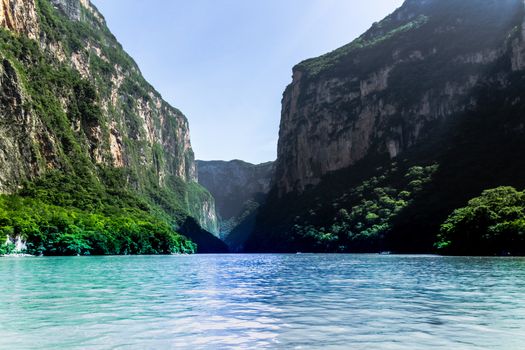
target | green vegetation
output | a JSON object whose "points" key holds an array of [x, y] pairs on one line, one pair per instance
{"points": [[74, 34], [54, 230], [49, 85], [492, 224], [362, 216], [88, 216], [472, 128], [248, 208], [317, 65], [7, 248]]}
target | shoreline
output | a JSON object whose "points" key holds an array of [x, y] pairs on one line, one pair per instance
{"points": [[17, 255]]}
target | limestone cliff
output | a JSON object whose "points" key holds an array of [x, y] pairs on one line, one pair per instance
{"points": [[19, 16], [238, 188], [383, 138], [233, 183], [72, 101], [384, 92]]}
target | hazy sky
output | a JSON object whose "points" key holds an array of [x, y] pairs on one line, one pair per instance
{"points": [[225, 63]]}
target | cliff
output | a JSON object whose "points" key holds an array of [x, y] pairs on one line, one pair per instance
{"points": [[19, 17], [239, 188], [407, 99], [72, 102], [384, 92], [234, 183]]}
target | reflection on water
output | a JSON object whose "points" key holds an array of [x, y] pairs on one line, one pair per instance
{"points": [[262, 301]]}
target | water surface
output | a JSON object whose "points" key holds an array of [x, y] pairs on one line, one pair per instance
{"points": [[262, 301]]}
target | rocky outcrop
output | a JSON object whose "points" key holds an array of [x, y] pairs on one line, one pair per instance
{"points": [[206, 215], [15, 153], [77, 10], [101, 112], [17, 243], [518, 48], [71, 8], [384, 92], [147, 120], [20, 17]]}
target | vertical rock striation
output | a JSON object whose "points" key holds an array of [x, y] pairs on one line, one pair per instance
{"points": [[385, 92], [239, 188], [100, 112], [381, 139], [20, 17]]}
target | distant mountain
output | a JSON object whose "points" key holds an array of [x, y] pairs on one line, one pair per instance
{"points": [[380, 140], [239, 188]]}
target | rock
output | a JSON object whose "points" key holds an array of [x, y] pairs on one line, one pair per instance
{"points": [[71, 8], [436, 82], [238, 188], [19, 16], [115, 118], [340, 106]]}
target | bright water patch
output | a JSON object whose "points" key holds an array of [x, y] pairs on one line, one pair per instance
{"points": [[262, 301]]}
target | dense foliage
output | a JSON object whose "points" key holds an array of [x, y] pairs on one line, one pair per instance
{"points": [[427, 48], [492, 224], [96, 216], [54, 230], [352, 219], [374, 204], [64, 214]]}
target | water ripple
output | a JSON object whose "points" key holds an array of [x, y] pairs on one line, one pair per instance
{"points": [[262, 301]]}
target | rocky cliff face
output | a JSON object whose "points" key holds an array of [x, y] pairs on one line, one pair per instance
{"points": [[382, 139], [233, 183], [73, 101], [238, 188], [20, 17], [73, 8], [385, 92]]}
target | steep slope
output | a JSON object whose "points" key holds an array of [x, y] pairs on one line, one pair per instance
{"points": [[381, 139], [79, 122], [239, 188]]}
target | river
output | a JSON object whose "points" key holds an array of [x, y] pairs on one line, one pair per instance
{"points": [[269, 301]]}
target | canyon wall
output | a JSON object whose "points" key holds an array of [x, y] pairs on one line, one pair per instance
{"points": [[385, 92], [73, 101], [381, 139], [239, 188]]}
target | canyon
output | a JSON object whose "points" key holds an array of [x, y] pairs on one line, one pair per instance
{"points": [[380, 141], [239, 189]]}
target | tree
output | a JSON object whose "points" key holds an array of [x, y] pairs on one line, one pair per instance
{"points": [[492, 224]]}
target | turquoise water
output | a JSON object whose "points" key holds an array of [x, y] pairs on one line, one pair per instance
{"points": [[262, 301]]}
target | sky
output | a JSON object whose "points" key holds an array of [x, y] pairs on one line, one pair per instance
{"points": [[226, 63]]}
